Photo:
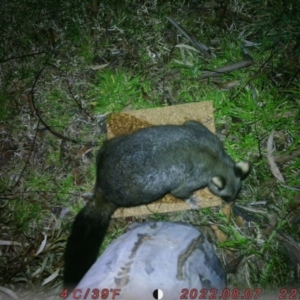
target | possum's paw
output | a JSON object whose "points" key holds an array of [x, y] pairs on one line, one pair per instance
{"points": [[194, 202]]}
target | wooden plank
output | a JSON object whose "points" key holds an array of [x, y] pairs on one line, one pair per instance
{"points": [[130, 121]]}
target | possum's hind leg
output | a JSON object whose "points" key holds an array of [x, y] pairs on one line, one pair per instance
{"points": [[187, 195]]}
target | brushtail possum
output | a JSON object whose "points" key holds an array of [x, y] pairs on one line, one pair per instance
{"points": [[142, 167]]}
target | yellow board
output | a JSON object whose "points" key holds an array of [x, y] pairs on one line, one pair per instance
{"points": [[130, 121]]}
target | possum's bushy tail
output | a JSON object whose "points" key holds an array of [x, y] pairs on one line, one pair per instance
{"points": [[88, 231]]}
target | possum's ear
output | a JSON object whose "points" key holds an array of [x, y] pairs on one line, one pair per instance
{"points": [[219, 182], [242, 169]]}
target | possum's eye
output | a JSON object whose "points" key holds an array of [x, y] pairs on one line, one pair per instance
{"points": [[219, 182]]}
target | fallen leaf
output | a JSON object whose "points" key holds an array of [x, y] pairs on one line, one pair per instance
{"points": [[268, 230], [239, 221], [226, 209], [50, 278], [226, 86], [287, 114], [248, 217], [273, 166], [99, 67], [9, 243], [221, 236], [43, 244], [287, 157], [9, 292]]}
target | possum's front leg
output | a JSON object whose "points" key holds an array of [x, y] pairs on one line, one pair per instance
{"points": [[185, 193], [194, 202]]}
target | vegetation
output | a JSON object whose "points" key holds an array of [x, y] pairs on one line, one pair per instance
{"points": [[66, 65]]}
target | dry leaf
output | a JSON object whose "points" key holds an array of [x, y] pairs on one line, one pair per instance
{"points": [[43, 244], [186, 47], [98, 67], [243, 212], [9, 243], [287, 157], [226, 86], [221, 236], [268, 230], [273, 166], [239, 221], [50, 278], [9, 292], [226, 209], [287, 114]]}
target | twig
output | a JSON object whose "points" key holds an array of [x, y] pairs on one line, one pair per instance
{"points": [[8, 196], [291, 188], [22, 56], [254, 75], [78, 103], [29, 155], [47, 127], [271, 160], [287, 157], [226, 69], [206, 51]]}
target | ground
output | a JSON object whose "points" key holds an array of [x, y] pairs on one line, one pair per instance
{"points": [[65, 66]]}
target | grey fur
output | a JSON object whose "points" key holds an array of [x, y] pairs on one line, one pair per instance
{"points": [[144, 166]]}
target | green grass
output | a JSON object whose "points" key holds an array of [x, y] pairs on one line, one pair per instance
{"points": [[113, 91], [144, 69]]}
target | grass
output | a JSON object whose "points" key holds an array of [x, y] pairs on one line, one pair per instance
{"points": [[113, 91], [125, 57]]}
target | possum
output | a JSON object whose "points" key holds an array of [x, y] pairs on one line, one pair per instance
{"points": [[142, 167]]}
